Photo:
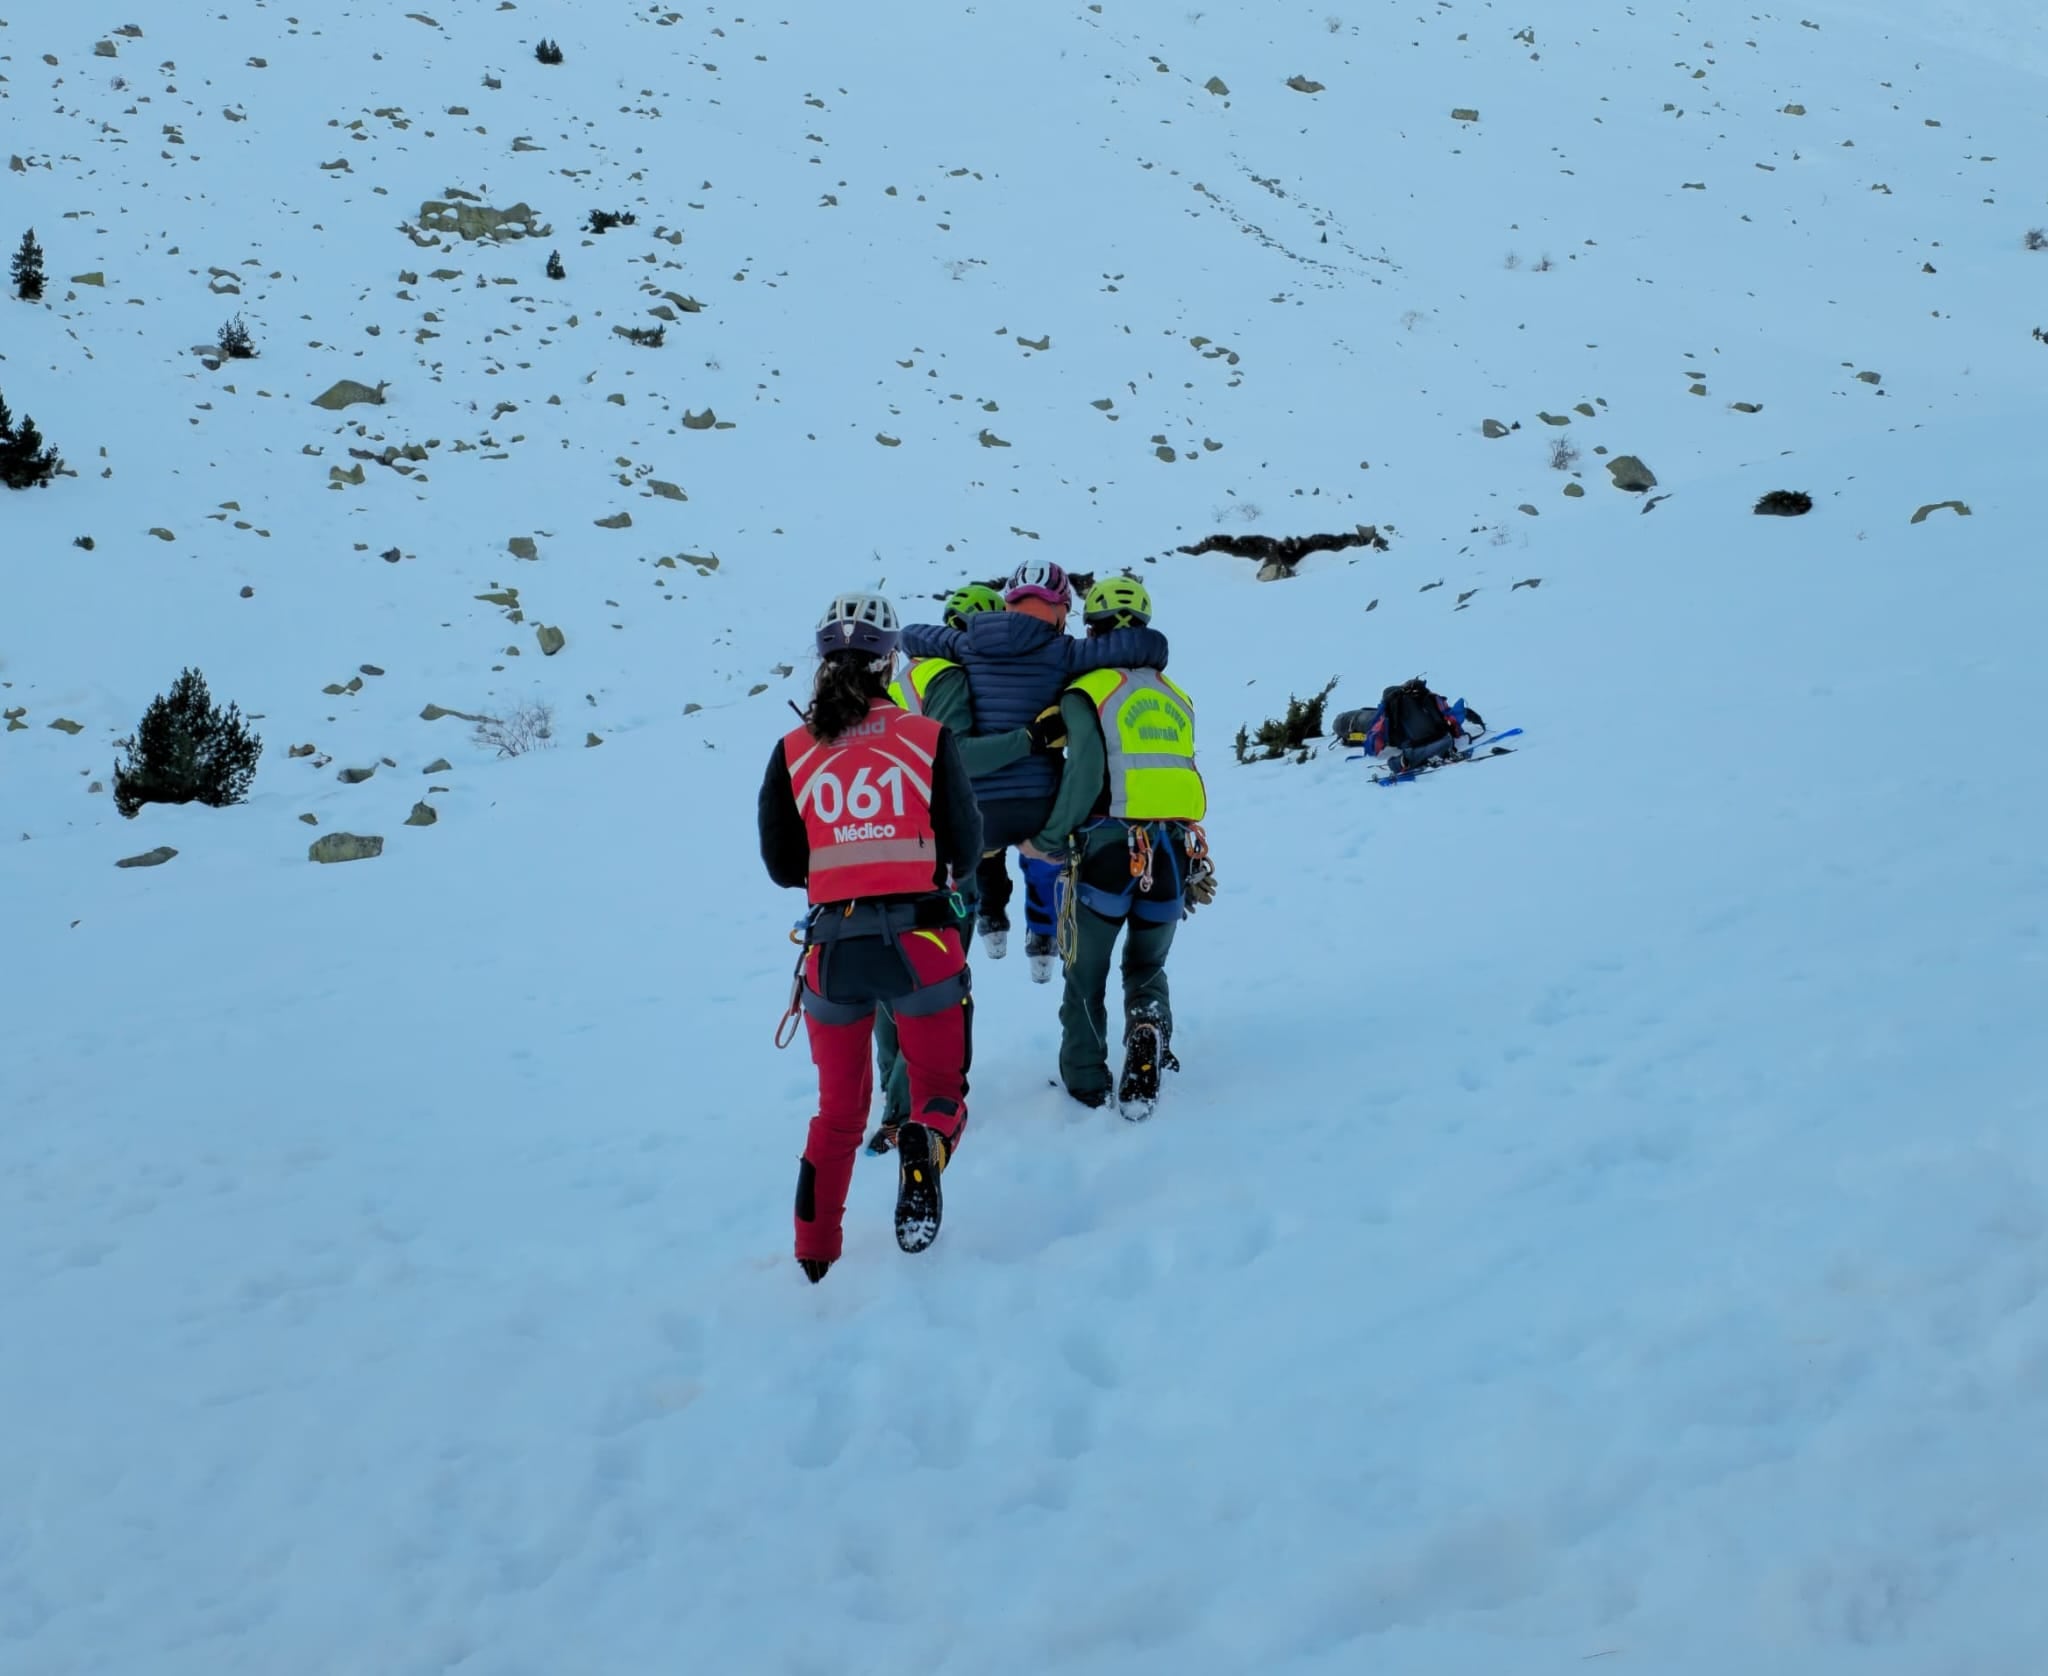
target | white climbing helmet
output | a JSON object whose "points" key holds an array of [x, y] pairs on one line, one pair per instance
{"points": [[860, 622]]}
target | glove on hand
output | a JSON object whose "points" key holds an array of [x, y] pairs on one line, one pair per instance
{"points": [[1201, 889], [1048, 731]]}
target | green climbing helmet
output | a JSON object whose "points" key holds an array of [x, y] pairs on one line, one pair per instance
{"points": [[964, 602], [1121, 600]]}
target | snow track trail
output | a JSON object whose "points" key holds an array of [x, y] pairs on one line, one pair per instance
{"points": [[1603, 1217]]}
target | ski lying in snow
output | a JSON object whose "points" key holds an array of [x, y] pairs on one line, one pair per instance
{"points": [[1486, 748], [918, 1202], [1408, 776]]}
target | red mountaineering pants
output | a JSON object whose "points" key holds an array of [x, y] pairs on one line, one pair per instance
{"points": [[871, 956]]}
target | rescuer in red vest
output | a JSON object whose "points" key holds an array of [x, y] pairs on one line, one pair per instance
{"points": [[869, 809]]}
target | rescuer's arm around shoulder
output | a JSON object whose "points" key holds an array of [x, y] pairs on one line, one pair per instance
{"points": [[956, 817], [1082, 776]]}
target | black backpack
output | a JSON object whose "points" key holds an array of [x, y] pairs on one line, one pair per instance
{"points": [[1416, 723]]}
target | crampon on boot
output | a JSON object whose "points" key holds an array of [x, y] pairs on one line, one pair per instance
{"points": [[1043, 954], [920, 1161], [1145, 1056], [995, 936]]}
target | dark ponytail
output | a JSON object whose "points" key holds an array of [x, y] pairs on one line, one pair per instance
{"points": [[847, 685]]}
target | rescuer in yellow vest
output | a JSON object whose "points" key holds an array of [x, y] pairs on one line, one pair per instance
{"points": [[1126, 825]]}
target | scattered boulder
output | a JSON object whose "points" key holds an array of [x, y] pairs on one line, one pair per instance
{"points": [[1955, 506], [344, 846], [347, 392], [310, 820], [617, 521], [1492, 428], [590, 739], [150, 858], [64, 724], [355, 776], [479, 221], [1464, 114], [1575, 490], [434, 712], [1301, 84], [667, 491], [440, 765], [1631, 474], [422, 815], [522, 547], [1215, 85], [551, 640]]}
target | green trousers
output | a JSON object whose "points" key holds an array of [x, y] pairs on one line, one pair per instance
{"points": [[1085, 1037], [1084, 1007]]}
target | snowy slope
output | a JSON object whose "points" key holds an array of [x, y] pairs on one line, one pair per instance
{"points": [[1602, 1216]]}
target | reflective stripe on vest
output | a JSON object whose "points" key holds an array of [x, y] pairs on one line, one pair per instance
{"points": [[866, 803], [923, 672], [1148, 730]]}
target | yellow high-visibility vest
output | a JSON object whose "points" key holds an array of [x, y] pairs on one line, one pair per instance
{"points": [[1148, 728], [923, 672]]}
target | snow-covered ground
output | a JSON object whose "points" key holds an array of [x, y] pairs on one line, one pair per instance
{"points": [[1602, 1218]]}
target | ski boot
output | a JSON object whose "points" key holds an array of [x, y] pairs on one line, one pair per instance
{"points": [[920, 1161], [995, 936], [1043, 954]]}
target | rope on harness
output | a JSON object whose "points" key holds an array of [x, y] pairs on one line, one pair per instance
{"points": [[1067, 928]]}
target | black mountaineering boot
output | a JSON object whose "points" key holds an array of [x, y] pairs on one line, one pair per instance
{"points": [[1044, 955], [1138, 1093], [920, 1160]]}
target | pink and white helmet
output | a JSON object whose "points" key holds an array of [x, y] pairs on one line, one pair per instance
{"points": [[1039, 579]]}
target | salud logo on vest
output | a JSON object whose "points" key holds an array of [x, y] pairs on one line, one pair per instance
{"points": [[866, 829]]}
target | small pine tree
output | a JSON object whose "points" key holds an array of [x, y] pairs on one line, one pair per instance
{"points": [[186, 751], [235, 342], [555, 268], [24, 462], [6, 421], [548, 53], [1289, 733], [28, 269]]}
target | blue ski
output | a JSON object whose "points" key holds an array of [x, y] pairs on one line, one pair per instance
{"points": [[1488, 745]]}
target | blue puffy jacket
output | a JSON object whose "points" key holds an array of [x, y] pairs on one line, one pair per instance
{"points": [[1016, 665]]}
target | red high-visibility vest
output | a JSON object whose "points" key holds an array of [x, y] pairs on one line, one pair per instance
{"points": [[866, 801]]}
